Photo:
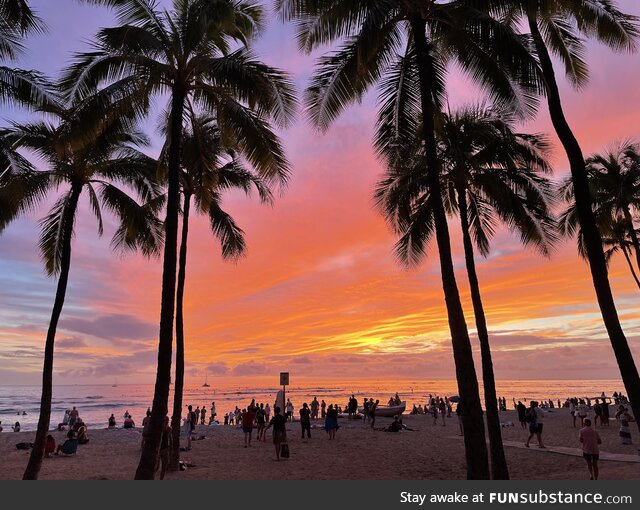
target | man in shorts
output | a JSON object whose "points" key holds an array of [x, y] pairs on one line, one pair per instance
{"points": [[590, 440]]}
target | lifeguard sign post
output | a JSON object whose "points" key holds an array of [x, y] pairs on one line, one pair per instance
{"points": [[284, 381]]}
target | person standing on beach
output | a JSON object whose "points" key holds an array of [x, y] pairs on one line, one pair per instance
{"points": [[267, 412], [535, 415], [443, 411], [323, 410], [278, 422], [315, 406], [590, 440], [366, 405], [289, 409], [260, 419], [73, 416], [372, 412], [305, 420], [203, 415], [331, 422], [165, 448], [522, 412], [459, 415], [247, 425], [624, 417], [212, 417]]}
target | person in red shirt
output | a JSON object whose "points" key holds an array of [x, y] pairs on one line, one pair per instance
{"points": [[49, 446], [248, 416], [590, 440]]}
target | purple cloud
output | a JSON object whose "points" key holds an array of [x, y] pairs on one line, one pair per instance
{"points": [[114, 326]]}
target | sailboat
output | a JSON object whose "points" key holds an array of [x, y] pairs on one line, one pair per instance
{"points": [[206, 384]]}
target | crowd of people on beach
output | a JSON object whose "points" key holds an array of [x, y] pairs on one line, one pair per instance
{"points": [[586, 414]]}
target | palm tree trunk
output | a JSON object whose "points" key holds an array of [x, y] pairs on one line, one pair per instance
{"points": [[149, 456], [179, 382], [499, 468], [592, 238], [473, 423], [35, 459], [633, 235], [628, 259]]}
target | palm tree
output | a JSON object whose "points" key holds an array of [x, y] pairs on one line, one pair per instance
{"points": [[27, 88], [210, 167], [429, 35], [555, 28], [489, 172], [17, 20], [615, 179], [184, 53], [103, 165]]}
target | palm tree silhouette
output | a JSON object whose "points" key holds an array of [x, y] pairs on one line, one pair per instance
{"points": [[489, 173], [384, 43], [87, 150], [209, 167], [555, 27], [185, 52], [614, 180]]}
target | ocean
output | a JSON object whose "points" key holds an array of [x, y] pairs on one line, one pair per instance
{"points": [[95, 403]]}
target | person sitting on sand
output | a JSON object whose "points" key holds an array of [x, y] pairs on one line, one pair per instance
{"points": [[128, 423], [396, 425], [16, 427], [82, 433], [71, 438], [49, 446], [278, 422], [112, 421], [590, 440]]}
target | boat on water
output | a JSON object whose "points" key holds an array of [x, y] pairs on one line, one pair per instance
{"points": [[388, 410], [206, 384]]}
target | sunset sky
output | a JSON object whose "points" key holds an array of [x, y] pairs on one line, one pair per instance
{"points": [[319, 293]]}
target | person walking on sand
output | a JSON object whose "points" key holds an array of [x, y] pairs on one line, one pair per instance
{"points": [[305, 420], [442, 407], [459, 415], [247, 425], [522, 414], [278, 422], [267, 412], [535, 415], [590, 440], [260, 420]]}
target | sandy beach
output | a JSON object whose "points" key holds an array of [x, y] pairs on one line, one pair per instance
{"points": [[358, 452]]}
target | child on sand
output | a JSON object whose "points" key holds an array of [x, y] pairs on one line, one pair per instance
{"points": [[279, 430]]}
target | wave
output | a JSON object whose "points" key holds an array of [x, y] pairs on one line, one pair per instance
{"points": [[94, 397]]}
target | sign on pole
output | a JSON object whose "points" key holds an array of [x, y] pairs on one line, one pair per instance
{"points": [[284, 378]]}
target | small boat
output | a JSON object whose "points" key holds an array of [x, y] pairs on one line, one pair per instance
{"points": [[388, 410], [206, 384]]}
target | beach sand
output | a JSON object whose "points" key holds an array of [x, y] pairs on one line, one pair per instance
{"points": [[358, 452]]}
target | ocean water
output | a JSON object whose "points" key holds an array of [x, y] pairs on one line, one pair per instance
{"points": [[96, 402]]}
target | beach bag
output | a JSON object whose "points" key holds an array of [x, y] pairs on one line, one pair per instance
{"points": [[24, 446], [284, 450]]}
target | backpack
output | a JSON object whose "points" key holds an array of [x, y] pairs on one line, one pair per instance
{"points": [[530, 416]]}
